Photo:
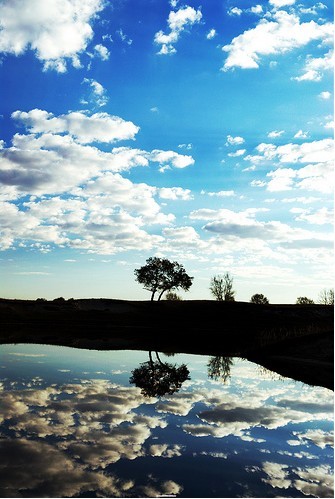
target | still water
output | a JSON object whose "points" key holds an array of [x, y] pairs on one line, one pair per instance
{"points": [[88, 423]]}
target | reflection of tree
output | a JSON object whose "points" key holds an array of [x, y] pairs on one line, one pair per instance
{"points": [[156, 378], [219, 368]]}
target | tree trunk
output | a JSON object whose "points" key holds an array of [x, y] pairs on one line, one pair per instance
{"points": [[152, 295], [160, 296]]}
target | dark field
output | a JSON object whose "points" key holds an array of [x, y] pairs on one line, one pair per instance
{"points": [[293, 340]]}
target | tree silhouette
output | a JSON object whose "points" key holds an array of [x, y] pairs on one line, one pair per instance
{"points": [[160, 275], [259, 299], [157, 378], [326, 297], [221, 287], [303, 300], [218, 368]]}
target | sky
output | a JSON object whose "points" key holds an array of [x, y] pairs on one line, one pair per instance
{"points": [[197, 132]]}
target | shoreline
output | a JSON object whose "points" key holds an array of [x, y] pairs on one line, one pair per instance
{"points": [[296, 341]]}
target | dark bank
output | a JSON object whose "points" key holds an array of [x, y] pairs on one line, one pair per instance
{"points": [[296, 341]]}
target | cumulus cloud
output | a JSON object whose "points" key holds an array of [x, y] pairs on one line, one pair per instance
{"points": [[99, 127], [318, 151], [102, 52], [57, 31], [175, 193], [325, 95], [234, 11], [277, 36], [233, 141], [318, 217], [316, 66], [314, 177], [178, 21], [93, 207]]}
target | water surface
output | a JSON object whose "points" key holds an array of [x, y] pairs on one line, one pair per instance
{"points": [[72, 424]]}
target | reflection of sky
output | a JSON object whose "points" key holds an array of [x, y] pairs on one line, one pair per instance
{"points": [[72, 425]]}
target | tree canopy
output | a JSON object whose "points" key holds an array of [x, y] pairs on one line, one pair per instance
{"points": [[303, 300], [259, 299], [160, 275]]}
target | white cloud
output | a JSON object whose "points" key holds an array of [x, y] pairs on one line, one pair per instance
{"points": [[178, 21], [211, 34], [171, 158], [325, 95], [301, 135], [99, 127], [318, 151], [89, 205], [102, 52], [282, 34], [329, 124], [316, 66], [57, 31], [257, 9], [98, 93], [319, 217], [234, 11], [236, 154], [175, 193], [317, 177], [233, 141], [222, 194], [275, 133], [281, 3]]}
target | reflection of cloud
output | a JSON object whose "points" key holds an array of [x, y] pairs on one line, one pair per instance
{"points": [[163, 450], [40, 470], [318, 481], [277, 475], [180, 403], [318, 437]]}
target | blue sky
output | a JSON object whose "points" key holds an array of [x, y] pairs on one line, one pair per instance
{"points": [[201, 132]]}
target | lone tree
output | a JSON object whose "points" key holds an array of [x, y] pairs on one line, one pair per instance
{"points": [[326, 297], [221, 287], [259, 299], [303, 300], [160, 275]]}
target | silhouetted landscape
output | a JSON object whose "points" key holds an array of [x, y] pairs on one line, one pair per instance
{"points": [[293, 340]]}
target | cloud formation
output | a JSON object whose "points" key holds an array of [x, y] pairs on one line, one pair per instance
{"points": [[57, 31], [283, 33], [178, 21]]}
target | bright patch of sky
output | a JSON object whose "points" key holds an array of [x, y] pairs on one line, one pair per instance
{"points": [[198, 132]]}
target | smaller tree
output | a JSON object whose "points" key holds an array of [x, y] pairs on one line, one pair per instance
{"points": [[172, 296], [303, 300], [217, 287], [221, 287], [259, 299], [326, 297]]}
